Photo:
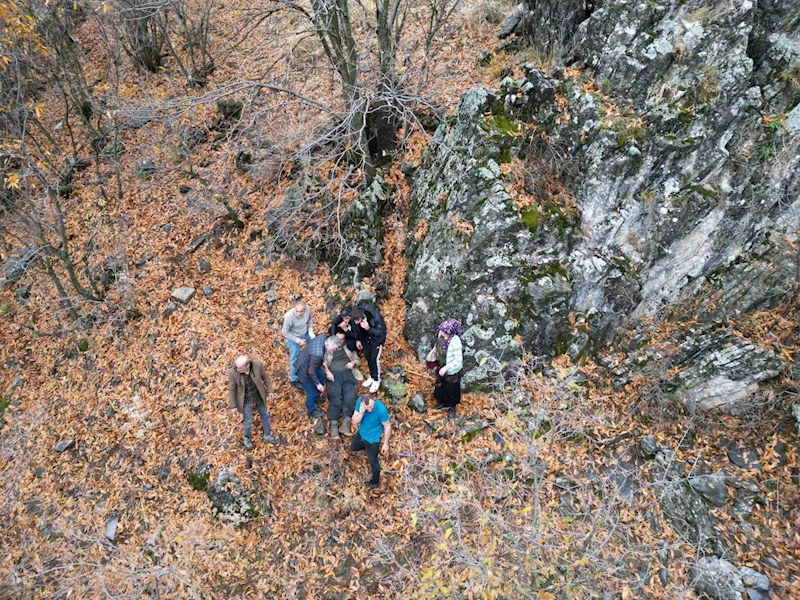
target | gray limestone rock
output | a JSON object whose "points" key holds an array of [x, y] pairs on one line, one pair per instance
{"points": [[744, 458], [711, 487], [683, 506], [230, 500], [754, 579], [660, 210], [319, 426], [111, 527], [64, 445], [648, 447], [417, 403], [207, 291], [723, 370], [183, 294], [718, 579], [205, 266]]}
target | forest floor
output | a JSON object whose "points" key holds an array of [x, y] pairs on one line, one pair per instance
{"points": [[479, 507]]}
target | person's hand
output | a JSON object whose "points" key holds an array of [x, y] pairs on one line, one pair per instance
{"points": [[320, 387], [329, 375], [363, 408], [350, 365], [302, 343], [385, 448], [359, 345], [270, 397], [364, 324], [443, 371]]}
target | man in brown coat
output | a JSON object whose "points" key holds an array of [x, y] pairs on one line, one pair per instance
{"points": [[249, 387]]}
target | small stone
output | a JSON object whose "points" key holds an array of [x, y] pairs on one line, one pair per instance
{"points": [[772, 563], [166, 227], [139, 117], [648, 446], [183, 294], [111, 528], [38, 472], [184, 189], [17, 383], [145, 168], [711, 487], [319, 426], [207, 291], [634, 151], [796, 413], [754, 579], [744, 458], [63, 445], [484, 58], [663, 576], [197, 242], [205, 266], [417, 403], [754, 594]]}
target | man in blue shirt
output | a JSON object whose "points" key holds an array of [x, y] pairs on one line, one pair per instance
{"points": [[372, 419]]}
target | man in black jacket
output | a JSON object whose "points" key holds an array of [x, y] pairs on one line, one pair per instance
{"points": [[372, 337]]}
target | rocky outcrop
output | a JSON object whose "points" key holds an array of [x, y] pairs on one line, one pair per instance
{"points": [[717, 578], [663, 173], [230, 500], [683, 506], [721, 370]]}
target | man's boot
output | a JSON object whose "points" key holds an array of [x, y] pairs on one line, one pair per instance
{"points": [[344, 428], [270, 438], [247, 443], [335, 430], [451, 413]]}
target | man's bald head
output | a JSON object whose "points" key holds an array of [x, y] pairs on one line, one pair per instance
{"points": [[242, 363]]}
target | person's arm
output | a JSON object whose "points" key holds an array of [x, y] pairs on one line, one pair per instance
{"points": [[313, 365], [310, 323], [387, 433], [353, 357], [287, 324], [232, 389], [358, 414], [455, 358]]}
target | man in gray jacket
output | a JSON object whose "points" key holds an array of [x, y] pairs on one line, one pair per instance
{"points": [[298, 330], [249, 388]]}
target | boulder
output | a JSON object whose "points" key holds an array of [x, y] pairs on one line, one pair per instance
{"points": [[711, 487], [230, 500], [721, 371], [17, 265], [744, 458], [753, 579], [511, 22], [716, 578], [418, 403], [362, 229], [183, 294], [648, 447], [796, 414], [683, 507]]}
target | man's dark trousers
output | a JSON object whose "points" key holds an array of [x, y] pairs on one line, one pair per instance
{"points": [[372, 455], [341, 395]]}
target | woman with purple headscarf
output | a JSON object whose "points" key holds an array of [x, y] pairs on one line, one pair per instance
{"points": [[446, 358]]}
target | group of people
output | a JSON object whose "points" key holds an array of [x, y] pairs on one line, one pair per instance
{"points": [[332, 365]]}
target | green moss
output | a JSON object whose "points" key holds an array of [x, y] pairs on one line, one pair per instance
{"points": [[706, 192], [199, 481], [531, 219], [83, 345], [633, 132], [5, 308]]}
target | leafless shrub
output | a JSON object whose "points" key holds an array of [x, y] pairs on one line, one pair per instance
{"points": [[141, 25]]}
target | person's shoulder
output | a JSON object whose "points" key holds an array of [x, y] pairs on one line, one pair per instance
{"points": [[257, 364], [289, 313], [358, 403], [455, 341], [382, 407]]}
